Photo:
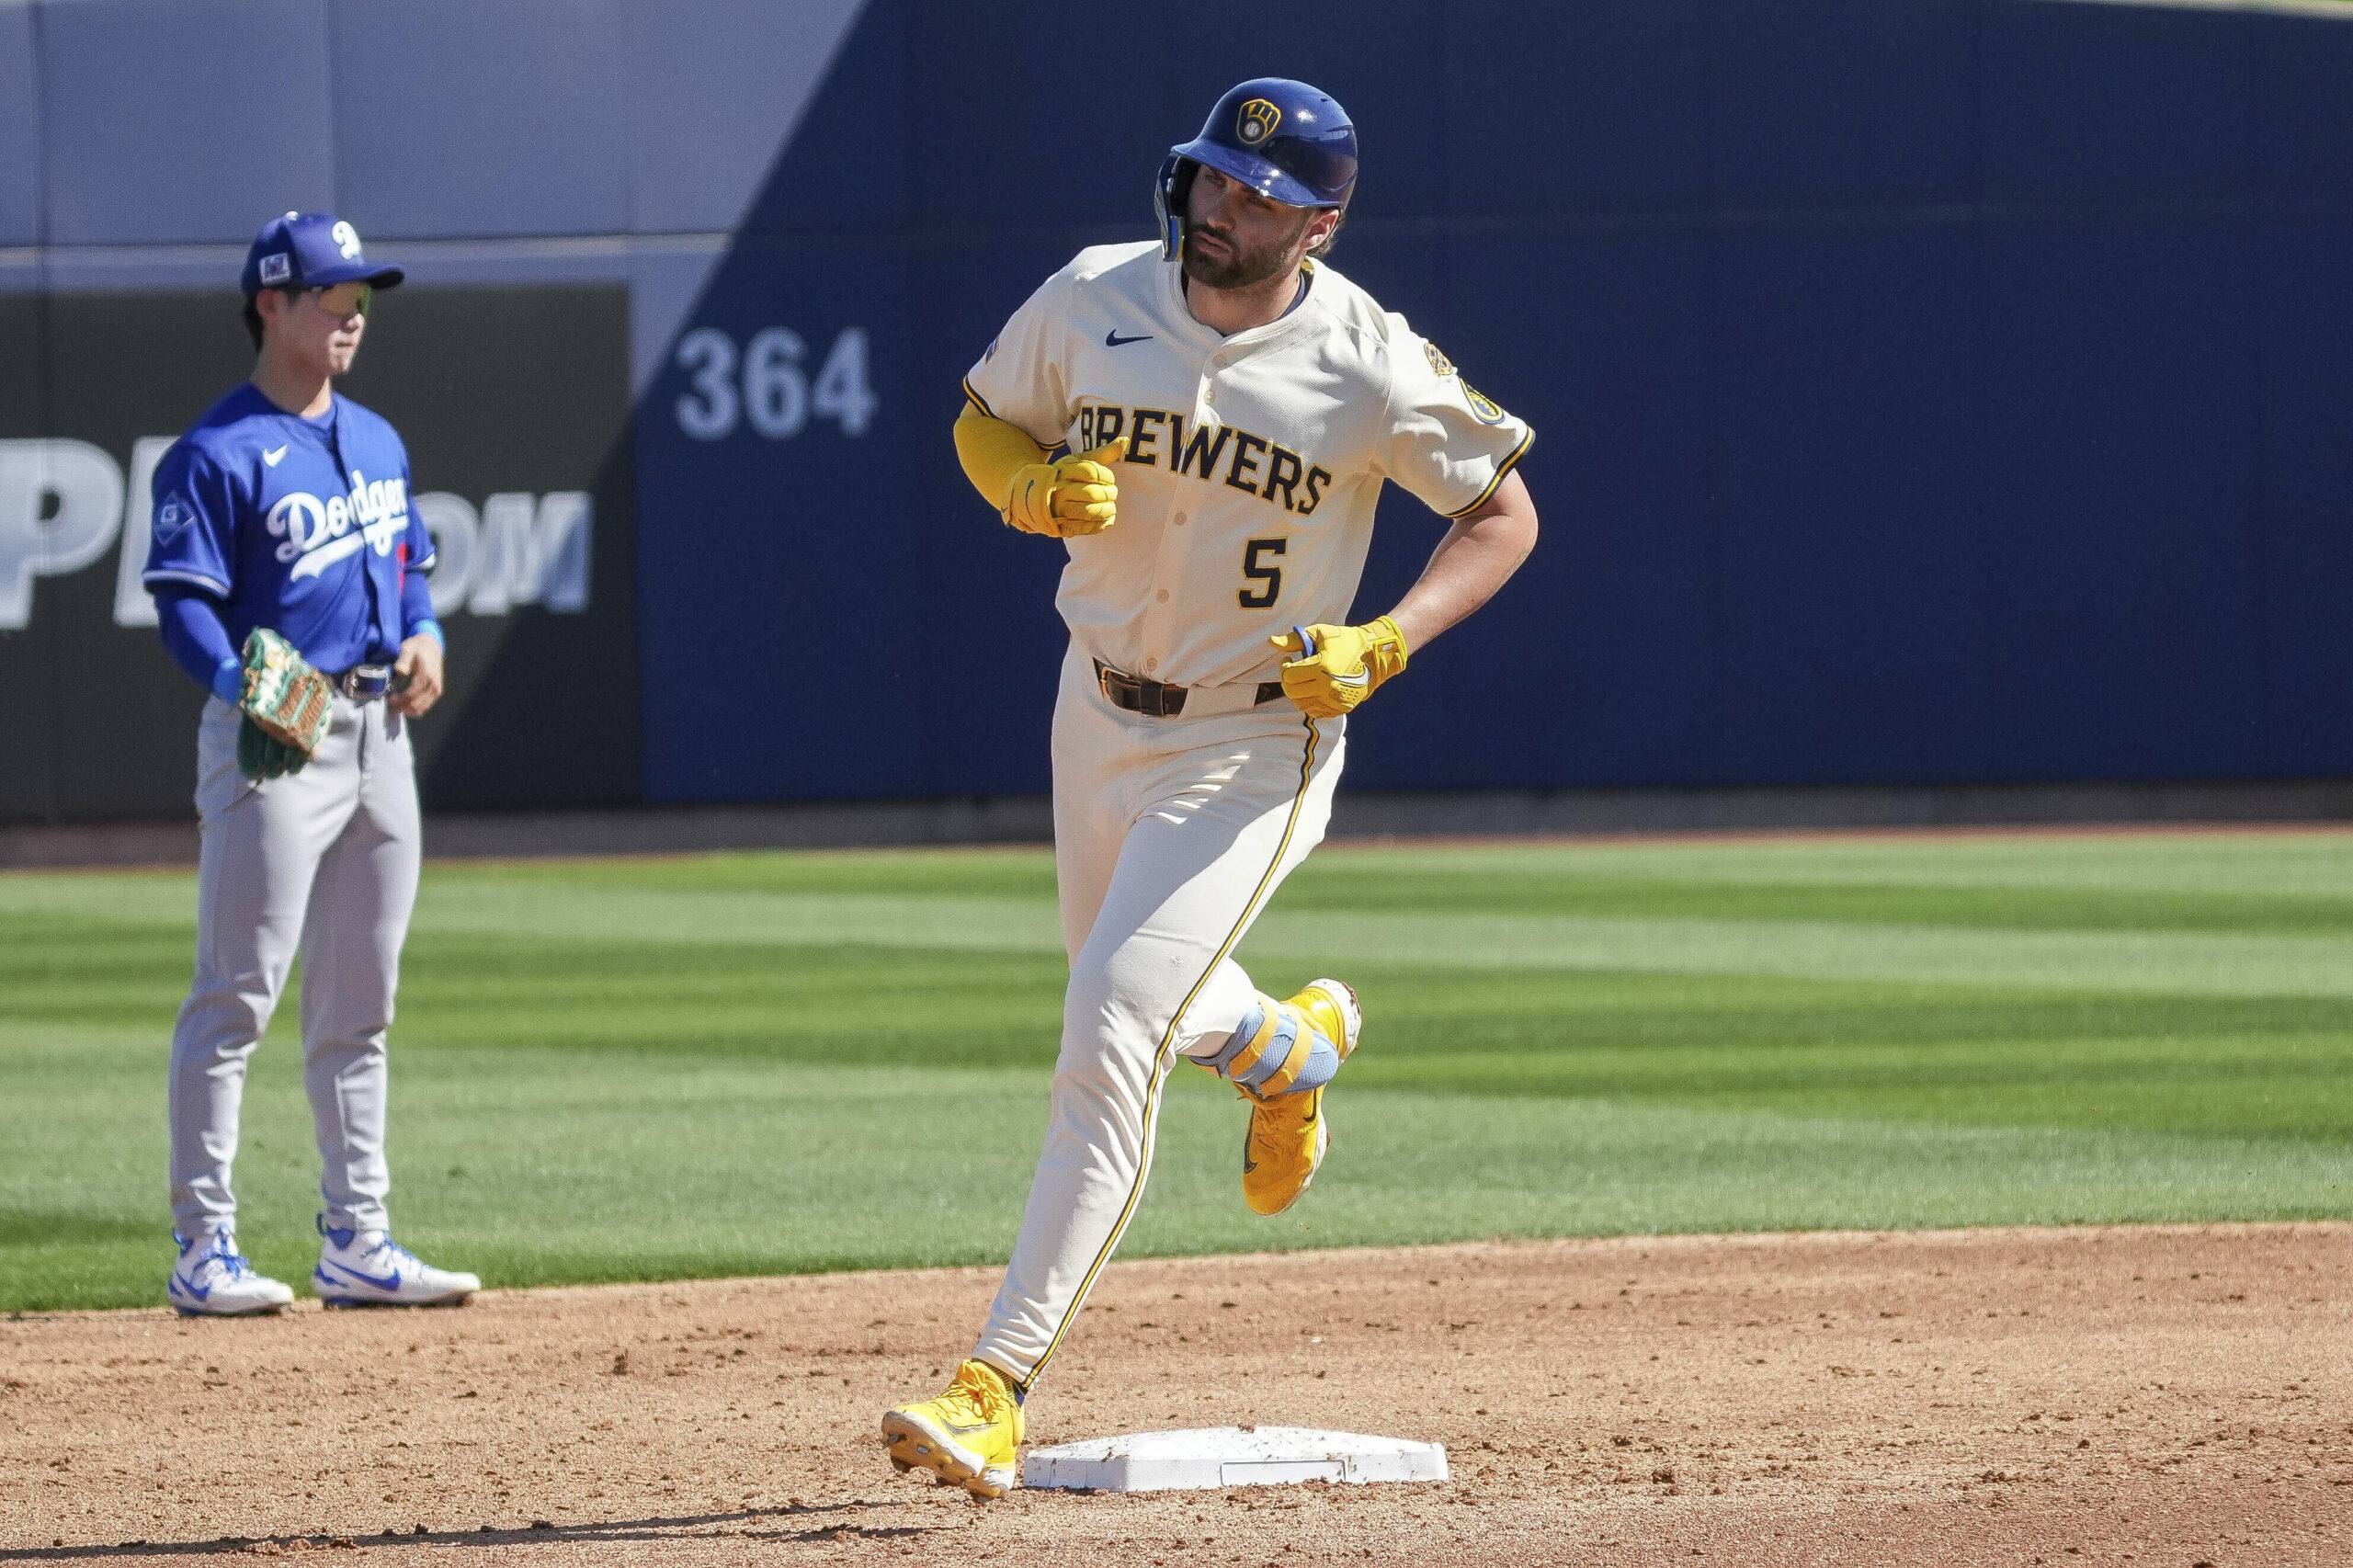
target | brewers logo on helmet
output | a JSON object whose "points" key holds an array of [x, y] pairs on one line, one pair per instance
{"points": [[1285, 140]]}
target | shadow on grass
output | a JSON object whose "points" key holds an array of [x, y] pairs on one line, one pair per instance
{"points": [[38, 1227]]}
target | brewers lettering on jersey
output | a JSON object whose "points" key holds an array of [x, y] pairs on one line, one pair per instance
{"points": [[1232, 407]]}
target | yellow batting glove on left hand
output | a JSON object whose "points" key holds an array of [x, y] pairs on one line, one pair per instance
{"points": [[1076, 495], [1338, 666]]}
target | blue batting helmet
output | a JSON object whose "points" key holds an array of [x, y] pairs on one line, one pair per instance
{"points": [[1283, 139]]}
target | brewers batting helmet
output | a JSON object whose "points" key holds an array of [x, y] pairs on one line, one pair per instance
{"points": [[1283, 139]]}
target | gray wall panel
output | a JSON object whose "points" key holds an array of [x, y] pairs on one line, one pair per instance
{"points": [[462, 118], [712, 102], [20, 128], [663, 287], [235, 89]]}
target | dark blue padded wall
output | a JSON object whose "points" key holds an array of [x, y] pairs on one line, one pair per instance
{"points": [[1948, 390]]}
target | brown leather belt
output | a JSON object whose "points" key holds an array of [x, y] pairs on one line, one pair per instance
{"points": [[1158, 699]]}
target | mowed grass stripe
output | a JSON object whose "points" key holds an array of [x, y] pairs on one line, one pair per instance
{"points": [[659, 1068], [456, 901], [2290, 863], [516, 1163], [2273, 1067]]}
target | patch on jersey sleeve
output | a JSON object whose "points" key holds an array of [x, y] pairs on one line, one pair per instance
{"points": [[172, 518], [1483, 409], [1438, 362], [990, 352]]}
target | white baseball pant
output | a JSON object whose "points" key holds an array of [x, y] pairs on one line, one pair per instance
{"points": [[1170, 835]]}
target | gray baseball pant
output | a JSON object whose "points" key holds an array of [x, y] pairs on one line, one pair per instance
{"points": [[324, 861]]}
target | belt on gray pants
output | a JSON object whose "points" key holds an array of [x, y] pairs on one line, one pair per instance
{"points": [[1158, 699], [362, 683]]}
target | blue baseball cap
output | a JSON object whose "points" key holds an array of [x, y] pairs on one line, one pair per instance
{"points": [[310, 250]]}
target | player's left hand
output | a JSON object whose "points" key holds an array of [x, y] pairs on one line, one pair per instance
{"points": [[262, 756], [1336, 667], [417, 676]]}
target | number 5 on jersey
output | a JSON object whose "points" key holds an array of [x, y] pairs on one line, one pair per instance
{"points": [[1257, 569]]}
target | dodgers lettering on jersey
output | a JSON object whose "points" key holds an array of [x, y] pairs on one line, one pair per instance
{"points": [[299, 526], [1254, 461]]}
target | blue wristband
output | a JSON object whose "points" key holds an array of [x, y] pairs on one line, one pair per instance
{"points": [[229, 682], [429, 624]]}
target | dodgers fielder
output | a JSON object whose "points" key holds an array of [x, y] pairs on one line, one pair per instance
{"points": [[285, 509], [1232, 408]]}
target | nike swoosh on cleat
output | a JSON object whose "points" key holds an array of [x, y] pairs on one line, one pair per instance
{"points": [[390, 1282], [200, 1293], [1112, 339], [272, 458]]}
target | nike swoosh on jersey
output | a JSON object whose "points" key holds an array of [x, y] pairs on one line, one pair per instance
{"points": [[272, 458], [1112, 339]]}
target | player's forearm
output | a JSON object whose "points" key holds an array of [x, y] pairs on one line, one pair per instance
{"points": [[992, 451], [197, 640], [1477, 557], [416, 608]]}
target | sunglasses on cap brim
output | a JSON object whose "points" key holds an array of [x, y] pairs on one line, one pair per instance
{"points": [[343, 298]]}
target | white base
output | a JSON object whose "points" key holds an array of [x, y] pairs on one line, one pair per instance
{"points": [[1229, 1455]]}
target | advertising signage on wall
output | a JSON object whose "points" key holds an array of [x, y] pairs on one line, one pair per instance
{"points": [[1943, 392], [513, 403]]}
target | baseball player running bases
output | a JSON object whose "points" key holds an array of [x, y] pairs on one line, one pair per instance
{"points": [[1232, 408], [288, 570]]}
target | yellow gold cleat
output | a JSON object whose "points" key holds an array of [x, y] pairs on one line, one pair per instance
{"points": [[1289, 1134], [970, 1437]]}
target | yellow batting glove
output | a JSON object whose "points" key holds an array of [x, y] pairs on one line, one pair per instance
{"points": [[1338, 666], [1076, 495]]}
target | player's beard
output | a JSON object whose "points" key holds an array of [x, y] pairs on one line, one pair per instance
{"points": [[1240, 268]]}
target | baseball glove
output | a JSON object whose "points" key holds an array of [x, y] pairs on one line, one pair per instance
{"points": [[286, 705], [1335, 668]]}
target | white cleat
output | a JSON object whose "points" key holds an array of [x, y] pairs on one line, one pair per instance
{"points": [[212, 1280], [367, 1268]]}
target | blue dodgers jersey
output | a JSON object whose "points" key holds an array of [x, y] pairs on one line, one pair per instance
{"points": [[299, 526]]}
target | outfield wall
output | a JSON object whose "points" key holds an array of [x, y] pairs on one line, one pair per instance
{"points": [[1928, 391]]}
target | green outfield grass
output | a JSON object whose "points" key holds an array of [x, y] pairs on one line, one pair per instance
{"points": [[756, 1063]]}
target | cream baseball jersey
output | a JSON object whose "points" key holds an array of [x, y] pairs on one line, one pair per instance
{"points": [[1254, 461]]}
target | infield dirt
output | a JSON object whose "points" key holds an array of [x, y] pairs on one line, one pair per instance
{"points": [[2157, 1395]]}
